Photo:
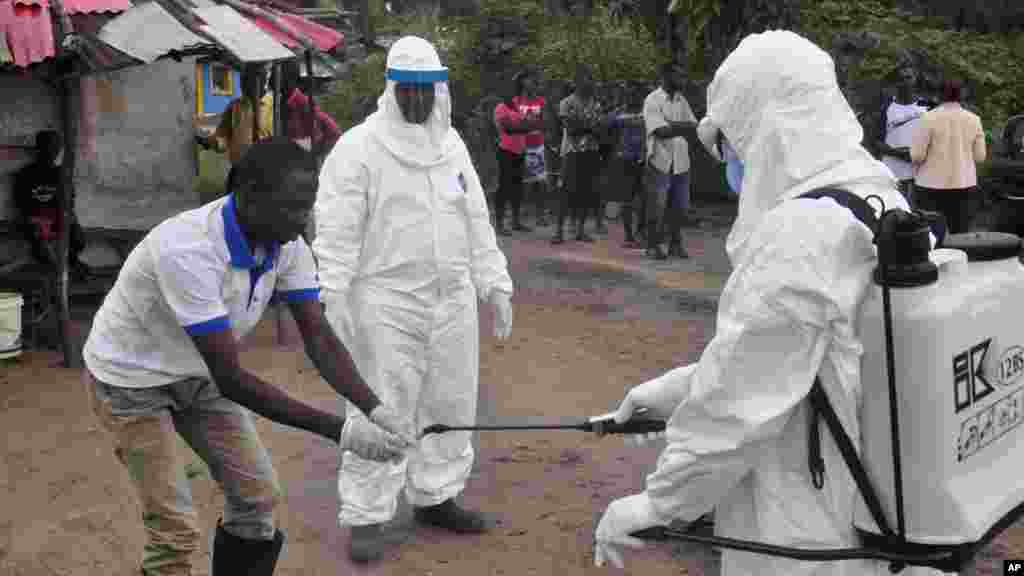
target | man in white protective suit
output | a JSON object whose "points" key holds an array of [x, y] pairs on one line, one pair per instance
{"points": [[737, 435], [406, 247]]}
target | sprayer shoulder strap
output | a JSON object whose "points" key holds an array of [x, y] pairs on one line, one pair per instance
{"points": [[820, 406], [855, 204]]}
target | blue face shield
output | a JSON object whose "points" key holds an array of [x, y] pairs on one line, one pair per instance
{"points": [[733, 168]]}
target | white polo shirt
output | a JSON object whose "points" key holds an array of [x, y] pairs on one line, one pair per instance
{"points": [[667, 155], [193, 274], [901, 120]]}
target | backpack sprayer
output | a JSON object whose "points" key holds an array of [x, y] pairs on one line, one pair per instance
{"points": [[955, 319]]}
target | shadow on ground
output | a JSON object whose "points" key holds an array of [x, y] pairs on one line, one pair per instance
{"points": [[617, 293]]}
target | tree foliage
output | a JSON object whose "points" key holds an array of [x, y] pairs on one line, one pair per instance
{"points": [[624, 40], [989, 63], [504, 36], [352, 99], [615, 48]]}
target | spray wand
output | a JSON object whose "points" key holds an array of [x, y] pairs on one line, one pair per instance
{"points": [[601, 425]]}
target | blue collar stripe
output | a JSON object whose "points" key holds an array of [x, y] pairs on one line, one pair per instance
{"points": [[417, 76], [238, 246]]}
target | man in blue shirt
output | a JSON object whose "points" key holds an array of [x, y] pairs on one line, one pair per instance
{"points": [[629, 124]]}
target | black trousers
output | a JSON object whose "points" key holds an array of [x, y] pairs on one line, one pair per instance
{"points": [[41, 248], [579, 172], [510, 186], [953, 204], [602, 173], [633, 176]]}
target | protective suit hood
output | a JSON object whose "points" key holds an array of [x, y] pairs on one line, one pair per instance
{"points": [[777, 100], [414, 60]]}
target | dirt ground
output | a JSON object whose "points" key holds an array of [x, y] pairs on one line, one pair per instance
{"points": [[590, 321]]}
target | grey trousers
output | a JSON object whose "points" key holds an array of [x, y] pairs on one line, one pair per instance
{"points": [[143, 424]]}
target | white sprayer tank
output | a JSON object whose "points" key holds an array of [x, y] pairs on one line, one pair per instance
{"points": [[10, 324], [959, 365]]}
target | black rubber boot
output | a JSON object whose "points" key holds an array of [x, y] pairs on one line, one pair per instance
{"points": [[520, 227], [677, 251], [627, 224], [581, 235], [366, 543], [654, 250], [450, 516], [234, 556]]}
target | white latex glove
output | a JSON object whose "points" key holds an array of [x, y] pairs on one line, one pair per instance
{"points": [[623, 517], [638, 439], [390, 421], [707, 133], [370, 441], [657, 398], [502, 303]]}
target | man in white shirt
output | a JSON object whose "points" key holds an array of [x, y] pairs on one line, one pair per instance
{"points": [[901, 117], [162, 358], [667, 118]]}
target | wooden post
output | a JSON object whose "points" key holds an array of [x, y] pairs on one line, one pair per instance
{"points": [[70, 101], [312, 116], [69, 105], [279, 129]]}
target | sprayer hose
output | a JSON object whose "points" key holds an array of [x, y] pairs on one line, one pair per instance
{"points": [[811, 555]]}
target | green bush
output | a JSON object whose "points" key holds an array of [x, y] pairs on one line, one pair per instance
{"points": [[625, 49], [616, 49], [989, 63], [473, 71], [352, 98]]}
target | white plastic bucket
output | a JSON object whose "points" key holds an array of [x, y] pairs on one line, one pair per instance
{"points": [[10, 324]]}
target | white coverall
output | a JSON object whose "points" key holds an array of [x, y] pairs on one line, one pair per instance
{"points": [[737, 439], [405, 248]]}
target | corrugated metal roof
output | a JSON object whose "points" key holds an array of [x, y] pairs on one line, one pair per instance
{"points": [[146, 31], [26, 26], [93, 6], [240, 36], [324, 38], [98, 54], [163, 33]]}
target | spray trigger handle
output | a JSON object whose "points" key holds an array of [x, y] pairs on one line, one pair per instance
{"points": [[607, 425]]}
